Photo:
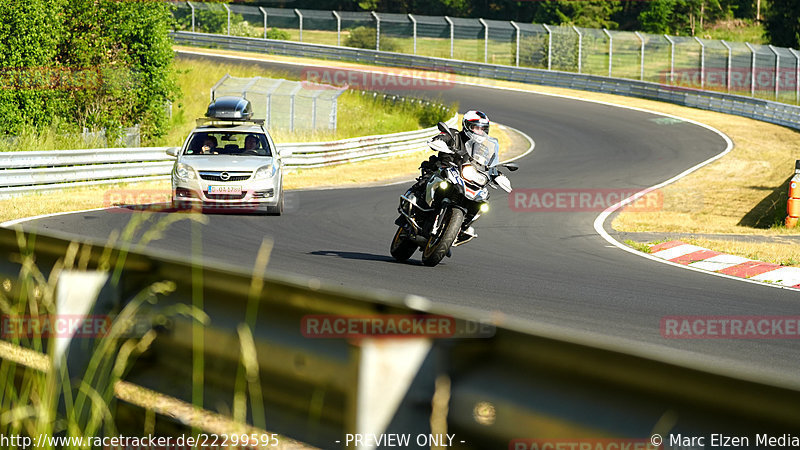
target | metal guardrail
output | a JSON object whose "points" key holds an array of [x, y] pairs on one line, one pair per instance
{"points": [[519, 382], [764, 110], [41, 171]]}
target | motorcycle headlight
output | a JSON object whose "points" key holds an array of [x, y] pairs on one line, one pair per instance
{"points": [[471, 174], [266, 172], [185, 172]]}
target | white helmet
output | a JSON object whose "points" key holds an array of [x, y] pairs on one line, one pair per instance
{"points": [[473, 118]]}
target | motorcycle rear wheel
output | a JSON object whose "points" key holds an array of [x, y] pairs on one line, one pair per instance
{"points": [[439, 244], [402, 248]]}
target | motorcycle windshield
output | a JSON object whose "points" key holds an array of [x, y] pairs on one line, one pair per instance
{"points": [[483, 150]]}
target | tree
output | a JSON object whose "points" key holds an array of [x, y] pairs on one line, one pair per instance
{"points": [[783, 23], [28, 42], [99, 63]]}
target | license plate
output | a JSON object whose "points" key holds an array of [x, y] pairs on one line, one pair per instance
{"points": [[224, 189]]}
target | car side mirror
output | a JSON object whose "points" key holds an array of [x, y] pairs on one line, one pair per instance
{"points": [[173, 151], [511, 166], [285, 153]]}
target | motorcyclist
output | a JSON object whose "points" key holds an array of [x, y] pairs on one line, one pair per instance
{"points": [[473, 123]]}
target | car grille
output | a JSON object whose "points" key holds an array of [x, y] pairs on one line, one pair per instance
{"points": [[234, 176], [225, 196]]}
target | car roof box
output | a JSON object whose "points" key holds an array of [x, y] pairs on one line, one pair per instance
{"points": [[230, 108]]}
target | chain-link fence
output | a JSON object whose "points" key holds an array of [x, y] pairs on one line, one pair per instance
{"points": [[284, 104], [761, 71]]}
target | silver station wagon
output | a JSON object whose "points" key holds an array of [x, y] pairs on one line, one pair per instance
{"points": [[229, 163]]}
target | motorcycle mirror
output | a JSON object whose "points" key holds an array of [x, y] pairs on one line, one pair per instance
{"points": [[511, 166], [445, 129]]}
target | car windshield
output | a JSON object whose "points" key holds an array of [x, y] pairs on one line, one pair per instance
{"points": [[232, 143]]}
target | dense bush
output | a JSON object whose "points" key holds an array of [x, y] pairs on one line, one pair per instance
{"points": [[281, 35], [364, 37], [92, 63]]}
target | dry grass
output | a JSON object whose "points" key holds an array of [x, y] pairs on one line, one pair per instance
{"points": [[89, 197]]}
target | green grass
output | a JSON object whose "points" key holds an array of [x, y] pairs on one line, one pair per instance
{"points": [[736, 30], [196, 77]]}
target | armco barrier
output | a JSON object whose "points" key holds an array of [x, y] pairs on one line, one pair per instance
{"points": [[517, 382], [26, 172], [764, 110]]}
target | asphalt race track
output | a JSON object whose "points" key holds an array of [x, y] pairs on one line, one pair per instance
{"points": [[549, 267]]}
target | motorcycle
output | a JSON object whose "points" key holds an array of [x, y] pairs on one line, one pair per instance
{"points": [[454, 197]]}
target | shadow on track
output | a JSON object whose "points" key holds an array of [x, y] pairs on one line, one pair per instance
{"points": [[355, 255]]}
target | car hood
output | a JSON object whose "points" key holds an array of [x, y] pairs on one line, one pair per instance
{"points": [[227, 163]]}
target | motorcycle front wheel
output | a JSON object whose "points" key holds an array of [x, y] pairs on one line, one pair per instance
{"points": [[402, 248], [440, 243]]}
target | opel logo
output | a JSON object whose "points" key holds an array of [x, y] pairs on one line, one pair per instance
{"points": [[224, 176]]}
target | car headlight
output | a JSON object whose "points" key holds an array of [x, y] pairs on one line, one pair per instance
{"points": [[266, 172], [185, 172], [471, 174]]}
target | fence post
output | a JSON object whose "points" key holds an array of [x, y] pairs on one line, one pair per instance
{"points": [[610, 50], [292, 96], [377, 30], [264, 13], [452, 35], [671, 59], [218, 84], [300, 19], [549, 47], [728, 65], [229, 17], [485, 40], [338, 28], [641, 64], [191, 6], [796, 74], [777, 71], [414, 31], [580, 47], [702, 62], [752, 69], [517, 41]]}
